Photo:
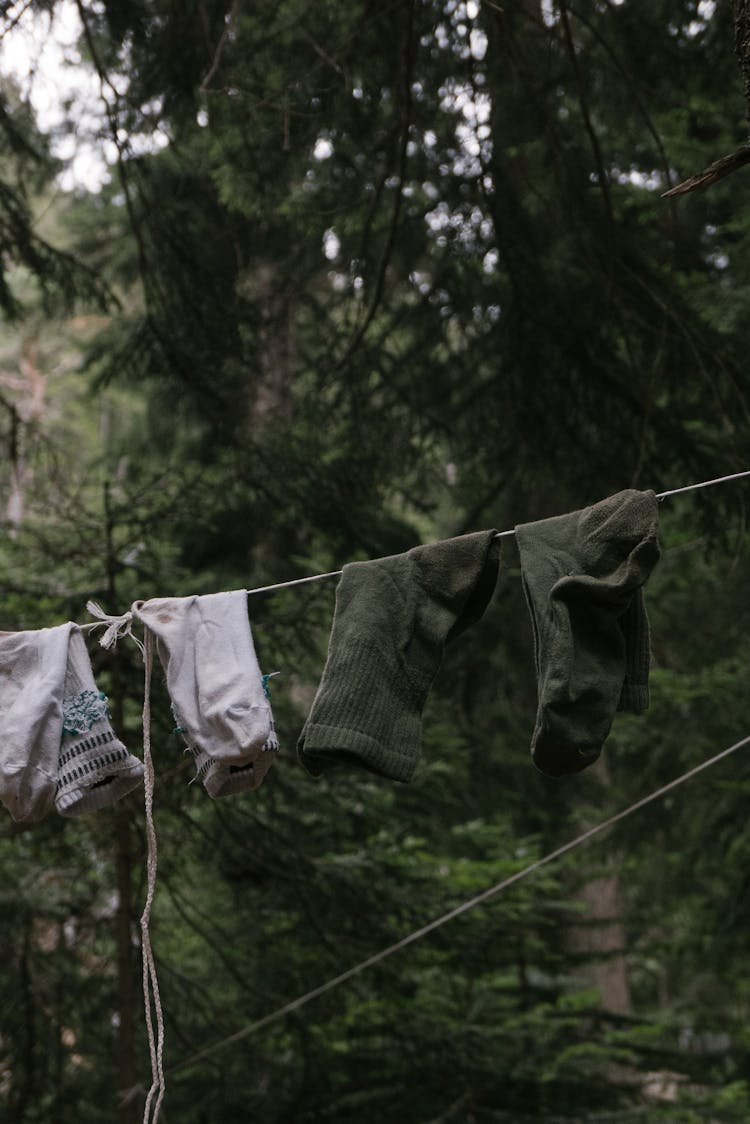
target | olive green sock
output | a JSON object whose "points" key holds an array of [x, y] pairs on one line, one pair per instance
{"points": [[582, 576], [393, 619]]}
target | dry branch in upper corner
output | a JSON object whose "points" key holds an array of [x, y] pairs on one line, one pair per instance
{"points": [[713, 173], [727, 164]]}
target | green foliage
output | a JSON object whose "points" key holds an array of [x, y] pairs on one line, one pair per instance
{"points": [[401, 271]]}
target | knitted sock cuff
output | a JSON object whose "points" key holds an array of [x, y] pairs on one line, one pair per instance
{"points": [[95, 769], [367, 712], [221, 778], [634, 696]]}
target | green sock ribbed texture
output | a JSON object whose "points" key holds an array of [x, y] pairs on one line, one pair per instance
{"points": [[583, 575], [393, 619]]}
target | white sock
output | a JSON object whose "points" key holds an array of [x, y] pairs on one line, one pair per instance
{"points": [[206, 649], [95, 769], [32, 676], [220, 779]]}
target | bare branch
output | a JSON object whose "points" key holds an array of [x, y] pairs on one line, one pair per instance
{"points": [[712, 174], [216, 62]]}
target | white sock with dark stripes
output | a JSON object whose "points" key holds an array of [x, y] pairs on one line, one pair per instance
{"points": [[94, 768]]}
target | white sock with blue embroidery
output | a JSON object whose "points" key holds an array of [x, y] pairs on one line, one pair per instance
{"points": [[94, 767]]}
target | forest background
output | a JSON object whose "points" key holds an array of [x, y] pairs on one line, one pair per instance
{"points": [[362, 275]]}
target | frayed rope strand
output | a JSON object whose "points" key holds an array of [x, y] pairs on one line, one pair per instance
{"points": [[115, 626], [500, 534], [472, 903]]}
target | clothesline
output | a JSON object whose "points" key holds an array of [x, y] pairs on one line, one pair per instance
{"points": [[457, 911], [500, 534]]}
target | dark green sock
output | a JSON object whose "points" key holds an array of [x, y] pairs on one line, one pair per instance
{"points": [[582, 575], [393, 619]]}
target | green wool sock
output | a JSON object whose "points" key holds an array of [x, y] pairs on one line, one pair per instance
{"points": [[393, 618], [582, 575]]}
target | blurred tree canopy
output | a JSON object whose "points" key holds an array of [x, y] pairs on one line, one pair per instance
{"points": [[392, 272]]}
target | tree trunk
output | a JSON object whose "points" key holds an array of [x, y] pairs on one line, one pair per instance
{"points": [[601, 937]]}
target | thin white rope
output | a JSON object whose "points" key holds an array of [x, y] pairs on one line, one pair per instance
{"points": [[704, 484], [464, 907], [297, 581], [500, 534], [150, 981]]}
